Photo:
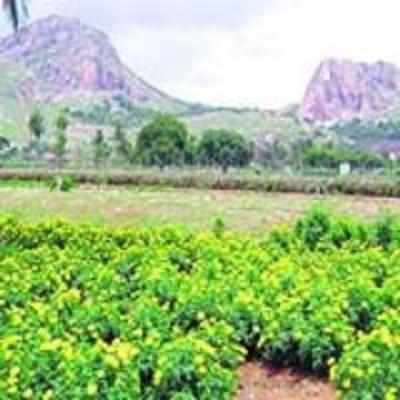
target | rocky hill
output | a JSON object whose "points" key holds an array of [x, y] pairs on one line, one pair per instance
{"points": [[68, 58], [60, 62], [344, 90]]}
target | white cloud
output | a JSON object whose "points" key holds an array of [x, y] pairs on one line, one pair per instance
{"points": [[237, 52]]}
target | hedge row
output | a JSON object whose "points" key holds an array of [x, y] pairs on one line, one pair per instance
{"points": [[352, 185]]}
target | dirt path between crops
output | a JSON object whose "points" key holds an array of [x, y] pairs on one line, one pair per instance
{"points": [[259, 382]]}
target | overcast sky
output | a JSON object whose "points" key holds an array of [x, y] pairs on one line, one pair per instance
{"points": [[237, 52]]}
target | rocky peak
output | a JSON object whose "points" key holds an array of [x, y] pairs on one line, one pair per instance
{"points": [[343, 90], [69, 57]]}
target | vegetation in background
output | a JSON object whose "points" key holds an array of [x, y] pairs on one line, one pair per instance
{"points": [[4, 143], [37, 126], [224, 149], [61, 140], [274, 154], [165, 141], [331, 156], [7, 149], [37, 145], [191, 151], [107, 112], [358, 129], [162, 142], [101, 149], [123, 147]]}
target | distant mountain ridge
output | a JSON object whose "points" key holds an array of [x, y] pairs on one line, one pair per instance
{"points": [[68, 57], [345, 90], [60, 59]]}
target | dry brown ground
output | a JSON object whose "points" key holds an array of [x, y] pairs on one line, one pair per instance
{"points": [[241, 210], [259, 382]]}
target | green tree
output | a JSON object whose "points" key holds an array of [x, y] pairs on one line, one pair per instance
{"points": [[62, 122], [7, 149], [162, 142], [123, 148], [16, 10], [37, 125], [60, 145], [224, 148], [4, 143], [101, 148]]}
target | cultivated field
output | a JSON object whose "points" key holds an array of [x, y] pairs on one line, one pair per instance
{"points": [[259, 306], [94, 312]]}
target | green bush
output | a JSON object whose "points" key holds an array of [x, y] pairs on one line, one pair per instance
{"points": [[368, 369], [321, 228], [63, 183], [92, 312]]}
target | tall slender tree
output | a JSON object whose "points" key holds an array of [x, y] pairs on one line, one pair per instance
{"points": [[102, 150], [16, 10], [61, 139]]}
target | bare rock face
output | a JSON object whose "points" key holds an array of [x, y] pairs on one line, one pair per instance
{"points": [[344, 90], [68, 57]]}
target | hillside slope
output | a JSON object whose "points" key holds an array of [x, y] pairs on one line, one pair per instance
{"points": [[68, 58]]}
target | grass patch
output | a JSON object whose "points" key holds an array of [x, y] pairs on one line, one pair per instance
{"points": [[241, 211]]}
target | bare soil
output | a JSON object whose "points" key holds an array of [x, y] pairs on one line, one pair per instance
{"points": [[259, 382]]}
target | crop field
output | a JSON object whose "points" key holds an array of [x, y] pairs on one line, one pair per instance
{"points": [[101, 312], [122, 292]]}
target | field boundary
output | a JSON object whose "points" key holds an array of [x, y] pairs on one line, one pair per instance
{"points": [[351, 185]]}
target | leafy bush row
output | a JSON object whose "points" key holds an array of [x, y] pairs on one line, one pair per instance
{"points": [[90, 312]]}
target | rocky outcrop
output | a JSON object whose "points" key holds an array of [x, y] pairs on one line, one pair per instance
{"points": [[69, 57], [344, 90]]}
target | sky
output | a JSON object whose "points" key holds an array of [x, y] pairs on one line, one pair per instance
{"points": [[253, 53]]}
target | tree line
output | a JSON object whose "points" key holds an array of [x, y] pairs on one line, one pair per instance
{"points": [[163, 142]]}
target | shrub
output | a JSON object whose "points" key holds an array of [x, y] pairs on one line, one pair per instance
{"points": [[386, 230], [367, 368], [62, 183], [219, 227], [320, 228]]}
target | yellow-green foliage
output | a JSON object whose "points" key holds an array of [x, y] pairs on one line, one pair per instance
{"points": [[88, 312]]}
